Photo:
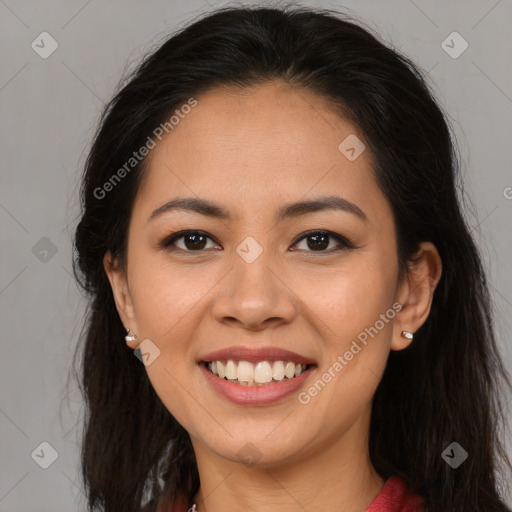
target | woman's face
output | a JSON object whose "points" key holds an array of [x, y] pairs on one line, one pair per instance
{"points": [[255, 281]]}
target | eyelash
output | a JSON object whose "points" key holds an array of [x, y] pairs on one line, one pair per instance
{"points": [[344, 242]]}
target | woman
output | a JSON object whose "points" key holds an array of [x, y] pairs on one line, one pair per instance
{"points": [[270, 217]]}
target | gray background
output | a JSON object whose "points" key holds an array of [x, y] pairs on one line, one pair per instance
{"points": [[48, 109]]}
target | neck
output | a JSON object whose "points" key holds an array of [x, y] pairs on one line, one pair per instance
{"points": [[338, 475]]}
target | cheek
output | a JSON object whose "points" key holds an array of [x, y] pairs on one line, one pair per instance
{"points": [[348, 300], [169, 309], [167, 297], [346, 310]]}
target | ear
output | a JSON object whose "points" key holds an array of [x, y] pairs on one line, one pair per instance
{"points": [[416, 293], [122, 296]]}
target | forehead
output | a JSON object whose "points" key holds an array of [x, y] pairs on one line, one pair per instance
{"points": [[259, 146]]}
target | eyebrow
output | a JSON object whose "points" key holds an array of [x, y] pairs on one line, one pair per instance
{"points": [[210, 209]]}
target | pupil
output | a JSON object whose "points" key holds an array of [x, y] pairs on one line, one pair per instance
{"points": [[197, 243], [316, 244]]}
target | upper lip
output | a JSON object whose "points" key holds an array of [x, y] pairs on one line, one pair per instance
{"points": [[240, 353]]}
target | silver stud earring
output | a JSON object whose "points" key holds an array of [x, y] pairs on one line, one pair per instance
{"points": [[129, 337], [407, 334]]}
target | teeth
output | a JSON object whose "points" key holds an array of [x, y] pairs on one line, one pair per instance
{"points": [[263, 372], [220, 369], [278, 370], [289, 370], [245, 372], [259, 374], [231, 370]]}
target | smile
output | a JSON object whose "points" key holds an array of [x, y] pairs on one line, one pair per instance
{"points": [[262, 373], [243, 388]]}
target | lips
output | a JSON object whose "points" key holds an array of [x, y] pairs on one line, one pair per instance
{"points": [[256, 395], [254, 355]]}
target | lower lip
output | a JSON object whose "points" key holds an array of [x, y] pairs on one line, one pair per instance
{"points": [[255, 395]]}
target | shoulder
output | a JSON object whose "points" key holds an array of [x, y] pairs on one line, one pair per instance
{"points": [[395, 497]]}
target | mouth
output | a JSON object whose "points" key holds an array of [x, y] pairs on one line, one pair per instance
{"points": [[257, 373], [257, 383], [256, 376]]}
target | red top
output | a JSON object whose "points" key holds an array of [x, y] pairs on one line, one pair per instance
{"points": [[393, 497]]}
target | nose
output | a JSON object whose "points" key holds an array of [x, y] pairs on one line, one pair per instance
{"points": [[255, 295]]}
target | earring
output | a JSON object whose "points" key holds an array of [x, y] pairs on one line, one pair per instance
{"points": [[129, 337], [407, 334]]}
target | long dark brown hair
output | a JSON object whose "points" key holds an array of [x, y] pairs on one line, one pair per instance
{"points": [[447, 387]]}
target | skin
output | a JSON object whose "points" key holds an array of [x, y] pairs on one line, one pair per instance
{"points": [[252, 151]]}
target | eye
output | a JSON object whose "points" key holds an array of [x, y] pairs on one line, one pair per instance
{"points": [[196, 241], [318, 241], [193, 241]]}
